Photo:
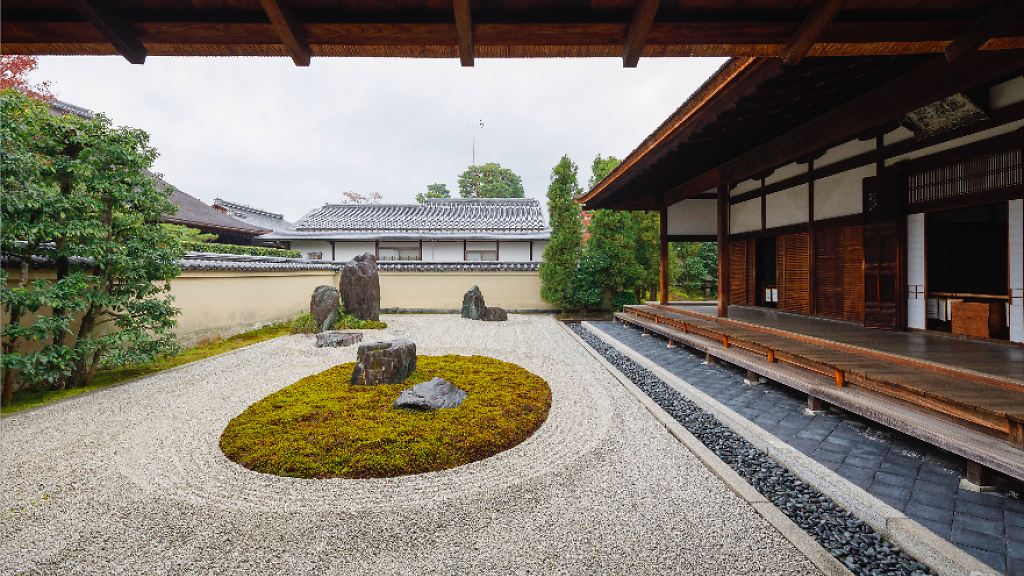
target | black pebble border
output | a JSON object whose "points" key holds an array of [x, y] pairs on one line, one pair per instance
{"points": [[852, 541]]}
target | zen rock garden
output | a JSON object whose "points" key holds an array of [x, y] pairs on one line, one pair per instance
{"points": [[391, 362], [474, 308], [358, 294]]}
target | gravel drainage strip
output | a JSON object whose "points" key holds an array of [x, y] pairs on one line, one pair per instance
{"points": [[856, 544]]}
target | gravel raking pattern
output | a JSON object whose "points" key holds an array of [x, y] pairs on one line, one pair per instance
{"points": [[856, 544]]}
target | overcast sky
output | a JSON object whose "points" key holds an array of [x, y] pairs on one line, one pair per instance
{"points": [[263, 132]]}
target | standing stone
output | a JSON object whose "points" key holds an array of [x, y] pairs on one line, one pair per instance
{"points": [[495, 314], [360, 287], [389, 362], [337, 339], [429, 396], [473, 306], [323, 305]]}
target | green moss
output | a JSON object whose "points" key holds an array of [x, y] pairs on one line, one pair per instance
{"points": [[322, 427], [304, 324]]}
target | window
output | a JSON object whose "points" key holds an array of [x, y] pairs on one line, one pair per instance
{"points": [[481, 255], [394, 254], [314, 255]]}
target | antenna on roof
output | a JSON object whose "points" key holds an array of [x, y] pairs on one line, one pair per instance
{"points": [[473, 127]]}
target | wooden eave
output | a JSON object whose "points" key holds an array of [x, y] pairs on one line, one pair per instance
{"points": [[249, 232], [468, 29], [756, 115]]}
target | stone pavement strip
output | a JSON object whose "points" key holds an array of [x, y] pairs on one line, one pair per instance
{"points": [[908, 475], [130, 480]]}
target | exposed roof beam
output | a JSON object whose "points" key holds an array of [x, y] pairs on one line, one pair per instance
{"points": [[1001, 12], [119, 34], [823, 13], [289, 29], [464, 31], [639, 28], [923, 86]]}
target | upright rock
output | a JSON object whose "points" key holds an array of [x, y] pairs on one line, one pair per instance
{"points": [[389, 362], [473, 306], [323, 305], [429, 396], [360, 287]]}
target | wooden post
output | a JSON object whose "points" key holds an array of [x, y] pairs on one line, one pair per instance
{"points": [[771, 356], [751, 376], [815, 404], [723, 251], [663, 296], [979, 475], [840, 378]]}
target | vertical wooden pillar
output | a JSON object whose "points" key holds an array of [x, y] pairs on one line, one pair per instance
{"points": [[723, 251], [663, 294]]}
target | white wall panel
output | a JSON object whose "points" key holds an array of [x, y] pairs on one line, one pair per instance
{"points": [[1017, 270], [745, 186], [443, 252], [482, 245], [345, 251], [787, 207], [745, 216], [916, 302], [694, 217], [307, 246], [840, 194], [787, 171], [1007, 93], [538, 249], [844, 151], [514, 251], [984, 134]]}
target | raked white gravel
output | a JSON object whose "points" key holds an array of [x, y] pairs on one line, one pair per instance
{"points": [[131, 480]]}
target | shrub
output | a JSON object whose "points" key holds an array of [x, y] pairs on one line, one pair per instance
{"points": [[304, 324], [240, 250], [624, 299]]}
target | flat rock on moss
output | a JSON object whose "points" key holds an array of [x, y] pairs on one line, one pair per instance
{"points": [[435, 394], [389, 362], [337, 339]]}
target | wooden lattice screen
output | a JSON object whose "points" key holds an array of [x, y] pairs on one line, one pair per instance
{"points": [[839, 273], [741, 273], [792, 270], [981, 174]]}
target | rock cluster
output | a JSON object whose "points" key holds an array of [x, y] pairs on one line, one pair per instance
{"points": [[389, 362], [360, 287], [474, 308], [862, 550], [337, 339], [323, 305], [429, 396]]}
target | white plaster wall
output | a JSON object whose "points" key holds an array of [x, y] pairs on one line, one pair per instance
{"points": [[345, 251], [481, 245], [443, 252], [1011, 92], [538, 249], [745, 216], [514, 252], [916, 297], [697, 217], [984, 134], [787, 207], [307, 246], [1017, 270], [745, 186], [898, 135], [787, 171], [405, 244], [844, 151], [841, 194], [442, 291]]}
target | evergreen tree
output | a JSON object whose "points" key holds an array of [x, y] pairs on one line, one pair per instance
{"points": [[612, 236], [562, 255], [434, 191], [490, 181]]}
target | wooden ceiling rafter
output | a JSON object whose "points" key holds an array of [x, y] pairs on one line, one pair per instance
{"points": [[823, 13], [639, 29], [464, 32], [119, 34], [289, 29], [985, 28]]}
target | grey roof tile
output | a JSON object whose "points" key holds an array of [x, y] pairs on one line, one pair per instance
{"points": [[255, 216], [436, 215]]}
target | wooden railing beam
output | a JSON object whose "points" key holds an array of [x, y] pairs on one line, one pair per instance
{"points": [[289, 29], [464, 32], [119, 34], [639, 28], [823, 13]]}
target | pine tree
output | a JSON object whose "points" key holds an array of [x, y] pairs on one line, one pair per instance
{"points": [[562, 255]]}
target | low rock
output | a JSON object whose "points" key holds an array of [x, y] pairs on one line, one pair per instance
{"points": [[360, 287], [429, 396], [473, 306], [495, 314], [389, 362], [337, 339], [323, 305]]}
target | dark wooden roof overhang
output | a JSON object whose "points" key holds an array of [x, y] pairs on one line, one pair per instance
{"points": [[206, 227], [468, 29], [757, 114]]}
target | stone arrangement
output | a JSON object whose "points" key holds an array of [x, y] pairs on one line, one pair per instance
{"points": [[323, 305], [474, 308], [360, 287], [435, 394], [337, 339], [389, 362]]}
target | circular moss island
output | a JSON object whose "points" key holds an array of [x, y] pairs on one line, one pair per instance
{"points": [[323, 427]]}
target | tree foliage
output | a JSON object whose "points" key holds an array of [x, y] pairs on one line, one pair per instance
{"points": [[697, 260], [187, 234], [490, 181], [14, 71], [562, 254], [601, 168], [434, 191], [75, 195]]}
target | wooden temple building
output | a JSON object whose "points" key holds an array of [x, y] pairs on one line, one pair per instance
{"points": [[858, 162]]}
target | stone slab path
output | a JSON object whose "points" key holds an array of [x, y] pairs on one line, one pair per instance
{"points": [[921, 482], [130, 480]]}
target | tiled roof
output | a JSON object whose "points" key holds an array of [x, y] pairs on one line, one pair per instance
{"points": [[254, 216], [192, 211], [68, 108], [446, 215], [458, 266]]}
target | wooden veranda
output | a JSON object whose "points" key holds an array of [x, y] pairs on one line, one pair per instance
{"points": [[964, 396]]}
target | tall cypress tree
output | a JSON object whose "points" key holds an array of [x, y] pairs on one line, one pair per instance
{"points": [[562, 255]]}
